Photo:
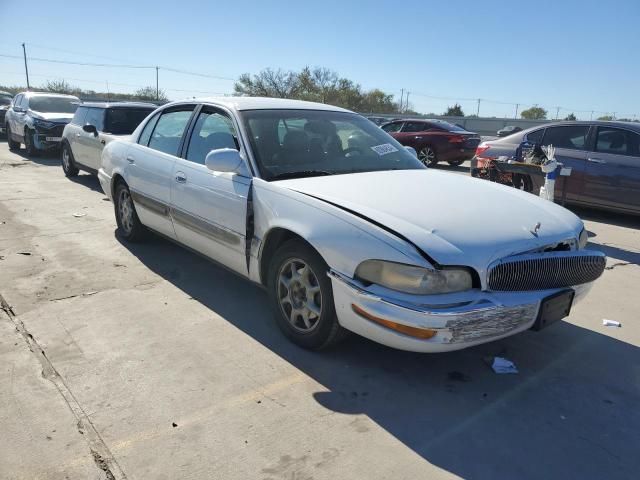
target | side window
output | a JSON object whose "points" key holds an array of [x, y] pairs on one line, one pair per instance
{"points": [[212, 130], [414, 127], [617, 141], [78, 117], [147, 130], [392, 127], [95, 117], [24, 103], [168, 132], [17, 100], [573, 137], [535, 136]]}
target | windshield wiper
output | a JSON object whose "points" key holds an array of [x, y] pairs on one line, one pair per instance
{"points": [[301, 174]]}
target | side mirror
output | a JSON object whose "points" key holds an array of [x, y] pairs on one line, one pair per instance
{"points": [[412, 151], [226, 160], [90, 129]]}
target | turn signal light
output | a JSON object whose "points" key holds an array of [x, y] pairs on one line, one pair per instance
{"points": [[421, 333], [481, 149]]}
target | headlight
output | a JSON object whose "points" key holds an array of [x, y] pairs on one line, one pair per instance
{"points": [[583, 239], [42, 123], [412, 279]]}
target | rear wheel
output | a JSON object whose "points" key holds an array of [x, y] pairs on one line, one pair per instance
{"points": [[301, 297], [129, 226], [68, 165], [13, 145], [29, 144], [455, 163], [427, 155]]}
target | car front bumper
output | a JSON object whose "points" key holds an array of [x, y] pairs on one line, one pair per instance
{"points": [[483, 317], [105, 182]]}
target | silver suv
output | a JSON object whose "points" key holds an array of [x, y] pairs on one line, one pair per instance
{"points": [[37, 120], [92, 127]]}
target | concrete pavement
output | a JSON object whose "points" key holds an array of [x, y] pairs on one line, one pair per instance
{"points": [[168, 366]]}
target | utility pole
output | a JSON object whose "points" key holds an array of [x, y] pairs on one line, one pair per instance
{"points": [[26, 69], [516, 115], [614, 116], [401, 99], [108, 93], [478, 110], [557, 112], [591, 117], [407, 101], [157, 86]]}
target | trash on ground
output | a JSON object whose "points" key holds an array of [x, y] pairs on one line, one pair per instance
{"points": [[24, 253], [78, 215], [610, 323], [502, 365]]}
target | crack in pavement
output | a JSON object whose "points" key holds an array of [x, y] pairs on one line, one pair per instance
{"points": [[100, 452]]}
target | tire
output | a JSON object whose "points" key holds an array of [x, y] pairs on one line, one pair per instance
{"points": [[68, 165], [427, 155], [307, 320], [455, 163], [129, 226], [29, 146], [13, 145]]}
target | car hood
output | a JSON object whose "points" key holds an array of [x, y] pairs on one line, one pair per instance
{"points": [[53, 116], [454, 219]]}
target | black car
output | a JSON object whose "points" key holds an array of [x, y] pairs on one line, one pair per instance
{"points": [[508, 130], [5, 103]]}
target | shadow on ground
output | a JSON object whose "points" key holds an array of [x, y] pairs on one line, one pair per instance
{"points": [[571, 412]]}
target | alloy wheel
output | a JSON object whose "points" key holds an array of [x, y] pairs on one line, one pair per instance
{"points": [[66, 161], [299, 295], [427, 156], [125, 210]]}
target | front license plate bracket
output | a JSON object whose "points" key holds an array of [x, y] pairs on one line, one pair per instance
{"points": [[554, 308]]}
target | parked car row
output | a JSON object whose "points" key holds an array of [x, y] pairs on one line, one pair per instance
{"points": [[604, 158], [327, 212]]}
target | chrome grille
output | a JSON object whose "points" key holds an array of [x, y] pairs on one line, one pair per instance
{"points": [[545, 271]]}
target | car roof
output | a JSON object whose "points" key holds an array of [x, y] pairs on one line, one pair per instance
{"points": [[48, 94], [262, 103], [119, 105], [603, 123]]}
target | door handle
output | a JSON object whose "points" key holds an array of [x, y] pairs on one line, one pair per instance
{"points": [[77, 134], [181, 177], [103, 142], [130, 159], [596, 160]]}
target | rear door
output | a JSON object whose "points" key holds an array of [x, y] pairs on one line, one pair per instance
{"points": [[209, 209], [570, 142], [72, 132], [412, 134], [149, 169], [612, 177]]}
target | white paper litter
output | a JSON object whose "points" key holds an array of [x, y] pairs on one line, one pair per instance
{"points": [[610, 323], [502, 365], [78, 215]]}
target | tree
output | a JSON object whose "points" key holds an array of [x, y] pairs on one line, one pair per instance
{"points": [[606, 118], [455, 111], [534, 113], [60, 86], [571, 116], [268, 83], [149, 93]]}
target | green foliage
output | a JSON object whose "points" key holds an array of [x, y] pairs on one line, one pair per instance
{"points": [[149, 93], [534, 113], [571, 116], [316, 85], [455, 111], [606, 118]]}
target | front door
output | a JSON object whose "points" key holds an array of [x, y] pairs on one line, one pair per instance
{"points": [[613, 169], [149, 169], [89, 145], [570, 142], [209, 208]]}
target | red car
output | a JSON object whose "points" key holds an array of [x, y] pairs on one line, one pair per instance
{"points": [[435, 140]]}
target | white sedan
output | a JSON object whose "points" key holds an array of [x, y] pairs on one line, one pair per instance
{"points": [[345, 228]]}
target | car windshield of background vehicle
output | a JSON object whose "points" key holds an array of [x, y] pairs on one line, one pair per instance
{"points": [[123, 121], [449, 126], [296, 143], [5, 100], [53, 104]]}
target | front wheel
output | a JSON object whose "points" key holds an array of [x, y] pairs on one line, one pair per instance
{"points": [[427, 155], [301, 297], [68, 166], [129, 226], [29, 144], [455, 163], [13, 145]]}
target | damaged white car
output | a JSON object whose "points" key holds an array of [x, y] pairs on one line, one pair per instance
{"points": [[346, 229]]}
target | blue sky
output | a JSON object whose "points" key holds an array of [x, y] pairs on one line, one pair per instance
{"points": [[579, 55]]}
